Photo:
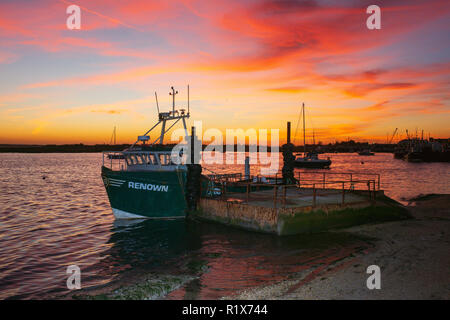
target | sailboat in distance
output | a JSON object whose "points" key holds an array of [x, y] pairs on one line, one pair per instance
{"points": [[309, 159]]}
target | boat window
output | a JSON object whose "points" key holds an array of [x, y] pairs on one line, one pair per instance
{"points": [[139, 159], [133, 159], [152, 159], [165, 159], [129, 162], [145, 158]]}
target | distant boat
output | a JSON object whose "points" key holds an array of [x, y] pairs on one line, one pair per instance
{"points": [[310, 159], [426, 151], [366, 152]]}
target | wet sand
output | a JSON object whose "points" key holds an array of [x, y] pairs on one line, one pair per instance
{"points": [[413, 255]]}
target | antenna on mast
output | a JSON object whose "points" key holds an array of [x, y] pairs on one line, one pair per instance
{"points": [[188, 100], [157, 105], [164, 117], [173, 93]]}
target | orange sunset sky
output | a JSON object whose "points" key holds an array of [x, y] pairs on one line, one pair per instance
{"points": [[249, 64]]}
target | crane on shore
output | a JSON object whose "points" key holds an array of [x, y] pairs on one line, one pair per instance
{"points": [[393, 135]]}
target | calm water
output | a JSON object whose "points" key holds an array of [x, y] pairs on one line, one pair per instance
{"points": [[48, 224]]}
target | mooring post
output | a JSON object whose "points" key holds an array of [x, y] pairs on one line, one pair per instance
{"points": [[288, 132], [288, 158], [314, 194], [247, 168], [275, 197], [324, 180], [343, 192], [248, 191], [192, 145], [374, 192], [193, 176]]}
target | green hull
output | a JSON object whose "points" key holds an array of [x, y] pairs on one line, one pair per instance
{"points": [[146, 194]]}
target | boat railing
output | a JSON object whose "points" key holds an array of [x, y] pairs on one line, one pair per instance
{"points": [[319, 177], [304, 178], [114, 160], [312, 187], [324, 179], [226, 177]]}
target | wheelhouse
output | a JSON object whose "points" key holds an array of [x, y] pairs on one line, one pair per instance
{"points": [[141, 161]]}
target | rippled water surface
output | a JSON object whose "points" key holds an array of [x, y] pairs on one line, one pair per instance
{"points": [[54, 212]]}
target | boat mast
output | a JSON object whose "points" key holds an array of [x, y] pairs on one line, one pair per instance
{"points": [[173, 93], [113, 136], [304, 134], [163, 117]]}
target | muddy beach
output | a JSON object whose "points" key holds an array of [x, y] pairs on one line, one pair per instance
{"points": [[413, 255]]}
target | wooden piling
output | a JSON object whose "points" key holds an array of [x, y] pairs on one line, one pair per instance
{"points": [[288, 135]]}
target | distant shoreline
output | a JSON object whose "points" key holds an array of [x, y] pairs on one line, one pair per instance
{"points": [[67, 148], [82, 148]]}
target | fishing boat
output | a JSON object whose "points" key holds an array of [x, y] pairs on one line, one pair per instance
{"points": [[144, 181], [309, 159]]}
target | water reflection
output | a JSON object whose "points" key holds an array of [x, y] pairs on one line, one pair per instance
{"points": [[152, 242], [225, 259]]}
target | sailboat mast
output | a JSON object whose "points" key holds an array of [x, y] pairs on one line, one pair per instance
{"points": [[304, 132]]}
